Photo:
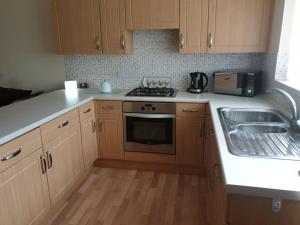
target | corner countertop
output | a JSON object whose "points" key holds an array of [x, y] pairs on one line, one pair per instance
{"points": [[243, 175]]}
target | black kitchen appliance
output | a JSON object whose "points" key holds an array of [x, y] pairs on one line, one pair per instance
{"points": [[238, 83], [199, 82], [149, 127]]}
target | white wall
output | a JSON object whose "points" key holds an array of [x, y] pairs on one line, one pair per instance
{"points": [[276, 26], [27, 52]]}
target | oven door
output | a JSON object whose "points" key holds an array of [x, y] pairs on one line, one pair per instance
{"points": [[153, 133]]}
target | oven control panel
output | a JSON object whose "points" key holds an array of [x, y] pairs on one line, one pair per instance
{"points": [[149, 107]]}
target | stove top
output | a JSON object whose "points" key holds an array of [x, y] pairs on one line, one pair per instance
{"points": [[152, 92]]}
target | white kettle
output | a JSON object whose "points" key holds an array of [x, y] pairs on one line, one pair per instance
{"points": [[105, 87]]}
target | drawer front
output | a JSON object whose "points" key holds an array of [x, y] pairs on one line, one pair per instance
{"points": [[87, 110], [109, 107], [19, 148], [190, 110], [58, 126]]}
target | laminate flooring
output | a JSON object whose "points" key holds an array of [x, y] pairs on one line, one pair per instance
{"points": [[133, 197]]}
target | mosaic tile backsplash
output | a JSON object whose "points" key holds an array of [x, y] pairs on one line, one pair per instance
{"points": [[155, 54]]}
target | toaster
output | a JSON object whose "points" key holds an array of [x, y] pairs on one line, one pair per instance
{"points": [[238, 83]]}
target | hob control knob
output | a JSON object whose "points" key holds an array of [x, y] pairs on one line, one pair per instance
{"points": [[143, 108], [153, 108]]}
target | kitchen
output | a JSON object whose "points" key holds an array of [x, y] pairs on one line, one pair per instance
{"points": [[161, 154]]}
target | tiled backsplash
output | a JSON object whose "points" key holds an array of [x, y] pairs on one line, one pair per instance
{"points": [[155, 54]]}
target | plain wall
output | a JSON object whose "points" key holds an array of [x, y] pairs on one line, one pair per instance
{"points": [[27, 51], [276, 26]]}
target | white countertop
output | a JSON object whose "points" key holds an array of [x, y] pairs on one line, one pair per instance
{"points": [[253, 176]]}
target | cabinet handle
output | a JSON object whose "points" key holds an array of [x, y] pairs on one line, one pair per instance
{"points": [[217, 171], [123, 43], [12, 155], [210, 40], [108, 107], [181, 40], [49, 160], [63, 124], [98, 42], [211, 132], [93, 126], [190, 110], [87, 111], [201, 130], [43, 164], [211, 179], [100, 125]]}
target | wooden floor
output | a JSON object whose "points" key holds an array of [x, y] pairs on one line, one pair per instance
{"points": [[131, 197]]}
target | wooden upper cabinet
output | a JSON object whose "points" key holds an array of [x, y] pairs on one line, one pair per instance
{"points": [[239, 25], [115, 38], [152, 14], [193, 26], [77, 26]]}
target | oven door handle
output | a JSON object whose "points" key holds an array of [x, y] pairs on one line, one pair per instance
{"points": [[149, 116]]}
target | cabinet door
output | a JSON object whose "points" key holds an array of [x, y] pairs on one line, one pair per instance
{"points": [[189, 140], [239, 25], [24, 192], [193, 26], [289, 213], [67, 162], [89, 142], [216, 197], [152, 14], [110, 136], [249, 210], [115, 38], [77, 26]]}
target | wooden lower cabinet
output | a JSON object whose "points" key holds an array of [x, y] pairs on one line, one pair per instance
{"points": [[67, 162], [189, 134], [88, 135], [249, 210], [24, 192], [216, 195], [235, 209], [110, 136], [110, 129]]}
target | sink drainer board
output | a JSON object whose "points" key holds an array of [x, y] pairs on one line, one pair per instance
{"points": [[259, 133]]}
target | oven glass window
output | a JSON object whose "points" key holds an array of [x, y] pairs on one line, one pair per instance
{"points": [[149, 131]]}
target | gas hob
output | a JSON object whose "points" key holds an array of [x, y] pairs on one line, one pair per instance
{"points": [[152, 92]]}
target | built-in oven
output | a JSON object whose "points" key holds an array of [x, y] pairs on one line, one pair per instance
{"points": [[149, 127]]}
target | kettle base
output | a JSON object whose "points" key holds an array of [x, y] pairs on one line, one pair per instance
{"points": [[196, 91]]}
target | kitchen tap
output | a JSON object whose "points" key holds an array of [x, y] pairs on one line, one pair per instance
{"points": [[295, 121]]}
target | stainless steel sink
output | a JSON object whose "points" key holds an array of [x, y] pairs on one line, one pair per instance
{"points": [[262, 129], [259, 133], [252, 115]]}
